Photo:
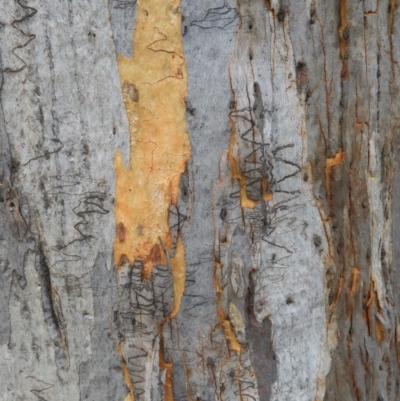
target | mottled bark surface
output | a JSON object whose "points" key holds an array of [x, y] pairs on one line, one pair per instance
{"points": [[204, 208]]}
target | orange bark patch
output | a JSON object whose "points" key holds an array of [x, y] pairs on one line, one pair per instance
{"points": [[231, 337], [373, 310], [154, 86], [178, 267], [267, 196], [245, 201], [380, 331], [226, 324]]}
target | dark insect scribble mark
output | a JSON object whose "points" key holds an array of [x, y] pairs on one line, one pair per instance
{"points": [[148, 298], [123, 4], [48, 153], [176, 222], [133, 326], [31, 12], [143, 307], [136, 368], [259, 163], [231, 211], [90, 204], [176, 218], [259, 170], [163, 38], [218, 17], [195, 301], [67, 258], [68, 180], [37, 392]]}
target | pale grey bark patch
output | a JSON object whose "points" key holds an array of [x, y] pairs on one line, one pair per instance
{"points": [[12, 260], [52, 312], [394, 272], [262, 356], [13, 220], [5, 155], [123, 15], [188, 340], [100, 377], [63, 121]]}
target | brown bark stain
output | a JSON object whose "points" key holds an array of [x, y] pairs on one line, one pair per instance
{"points": [[268, 4], [375, 326], [392, 10], [167, 366], [354, 283], [356, 66], [154, 86], [340, 287], [330, 162], [344, 38], [121, 231]]}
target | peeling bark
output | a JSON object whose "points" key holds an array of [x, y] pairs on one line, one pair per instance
{"points": [[199, 200]]}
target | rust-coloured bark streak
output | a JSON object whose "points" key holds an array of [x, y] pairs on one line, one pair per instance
{"points": [[326, 79], [167, 366], [354, 282], [330, 162], [344, 37], [224, 322], [154, 86], [392, 10], [245, 201]]}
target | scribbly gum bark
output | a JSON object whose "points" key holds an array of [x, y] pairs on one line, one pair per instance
{"points": [[360, 129], [200, 200]]}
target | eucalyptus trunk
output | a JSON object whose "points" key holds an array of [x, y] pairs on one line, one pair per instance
{"points": [[199, 200]]}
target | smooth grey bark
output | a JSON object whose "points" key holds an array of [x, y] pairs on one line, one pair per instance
{"points": [[307, 278]]}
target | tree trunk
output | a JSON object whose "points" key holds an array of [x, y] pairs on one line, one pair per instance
{"points": [[198, 200]]}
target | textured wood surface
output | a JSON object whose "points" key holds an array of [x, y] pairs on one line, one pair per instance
{"points": [[200, 200]]}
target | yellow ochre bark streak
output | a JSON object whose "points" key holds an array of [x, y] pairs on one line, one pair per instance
{"points": [[154, 86]]}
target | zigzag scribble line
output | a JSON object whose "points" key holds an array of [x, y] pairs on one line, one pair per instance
{"points": [[30, 36]]}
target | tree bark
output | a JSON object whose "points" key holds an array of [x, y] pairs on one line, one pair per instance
{"points": [[199, 200]]}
